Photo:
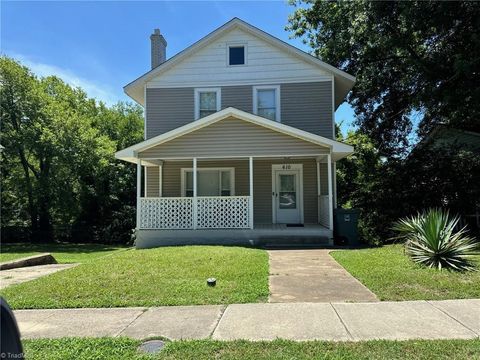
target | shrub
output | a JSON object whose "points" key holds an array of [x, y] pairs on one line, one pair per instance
{"points": [[431, 240]]}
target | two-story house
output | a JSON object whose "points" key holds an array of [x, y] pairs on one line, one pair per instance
{"points": [[239, 141]]}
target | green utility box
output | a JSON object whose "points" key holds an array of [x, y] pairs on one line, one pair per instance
{"points": [[345, 230]]}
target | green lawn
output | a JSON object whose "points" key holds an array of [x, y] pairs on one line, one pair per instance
{"points": [[152, 277], [124, 348], [393, 276], [62, 252]]}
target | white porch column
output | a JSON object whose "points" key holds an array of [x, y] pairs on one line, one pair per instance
{"points": [[319, 190], [194, 193], [335, 185], [250, 173], [160, 180], [330, 192], [139, 192], [145, 182]]}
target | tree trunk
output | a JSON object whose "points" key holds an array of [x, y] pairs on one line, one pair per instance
{"points": [[45, 230], [31, 203]]}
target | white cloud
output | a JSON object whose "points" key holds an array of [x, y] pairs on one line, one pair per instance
{"points": [[94, 90]]}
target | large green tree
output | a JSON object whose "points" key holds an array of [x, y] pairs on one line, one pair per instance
{"points": [[414, 61], [58, 169]]}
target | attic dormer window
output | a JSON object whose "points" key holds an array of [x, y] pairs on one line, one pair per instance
{"points": [[236, 55]]}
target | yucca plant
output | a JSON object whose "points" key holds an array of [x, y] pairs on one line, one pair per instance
{"points": [[432, 241]]}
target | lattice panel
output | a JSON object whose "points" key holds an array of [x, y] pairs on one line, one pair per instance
{"points": [[227, 212], [166, 213]]}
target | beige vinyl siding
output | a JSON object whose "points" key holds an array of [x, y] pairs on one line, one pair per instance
{"points": [[262, 183], [308, 106], [153, 181], [168, 109], [232, 137], [323, 179]]}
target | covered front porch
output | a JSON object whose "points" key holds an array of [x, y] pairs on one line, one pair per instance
{"points": [[233, 178], [237, 200]]}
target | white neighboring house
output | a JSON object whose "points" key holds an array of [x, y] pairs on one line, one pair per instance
{"points": [[239, 141]]}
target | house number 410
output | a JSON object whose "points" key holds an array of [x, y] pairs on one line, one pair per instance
{"points": [[286, 167]]}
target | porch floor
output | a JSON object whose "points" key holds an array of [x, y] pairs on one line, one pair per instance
{"points": [[262, 234]]}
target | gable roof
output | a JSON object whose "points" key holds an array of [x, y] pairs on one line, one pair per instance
{"points": [[343, 81], [338, 149]]}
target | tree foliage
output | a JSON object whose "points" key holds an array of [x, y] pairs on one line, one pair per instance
{"points": [[417, 64], [59, 175], [419, 58]]}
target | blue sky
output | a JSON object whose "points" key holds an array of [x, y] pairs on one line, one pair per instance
{"points": [[102, 46]]}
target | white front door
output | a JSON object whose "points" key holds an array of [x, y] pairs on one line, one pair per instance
{"points": [[287, 196]]}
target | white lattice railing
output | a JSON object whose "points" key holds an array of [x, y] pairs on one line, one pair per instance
{"points": [[166, 213], [223, 212], [213, 212], [323, 214]]}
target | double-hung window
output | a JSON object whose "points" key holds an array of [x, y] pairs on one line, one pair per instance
{"points": [[207, 101], [266, 102], [210, 182]]}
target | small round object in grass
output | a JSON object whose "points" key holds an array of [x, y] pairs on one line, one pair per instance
{"points": [[151, 346], [211, 281]]}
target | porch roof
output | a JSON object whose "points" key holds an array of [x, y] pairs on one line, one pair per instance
{"points": [[301, 142]]}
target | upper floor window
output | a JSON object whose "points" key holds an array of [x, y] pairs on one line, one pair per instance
{"points": [[207, 101], [266, 102], [236, 55]]}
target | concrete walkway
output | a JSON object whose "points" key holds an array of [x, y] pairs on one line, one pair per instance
{"points": [[450, 319], [312, 275], [19, 275]]}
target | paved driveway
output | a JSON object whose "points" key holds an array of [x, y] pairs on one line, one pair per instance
{"points": [[312, 275]]}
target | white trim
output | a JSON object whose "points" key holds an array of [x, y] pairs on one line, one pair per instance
{"points": [[214, 83], [339, 149], [243, 44], [319, 189], [292, 167], [333, 107], [230, 157], [216, 90], [278, 117], [183, 177], [145, 182], [335, 184], [145, 112], [130, 88], [330, 193], [250, 176], [139, 192], [195, 202]]}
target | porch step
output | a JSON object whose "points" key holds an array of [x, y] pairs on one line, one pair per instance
{"points": [[297, 242]]}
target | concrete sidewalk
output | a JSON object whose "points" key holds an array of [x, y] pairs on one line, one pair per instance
{"points": [[449, 319]]}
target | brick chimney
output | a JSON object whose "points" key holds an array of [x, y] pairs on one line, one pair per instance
{"points": [[159, 48]]}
